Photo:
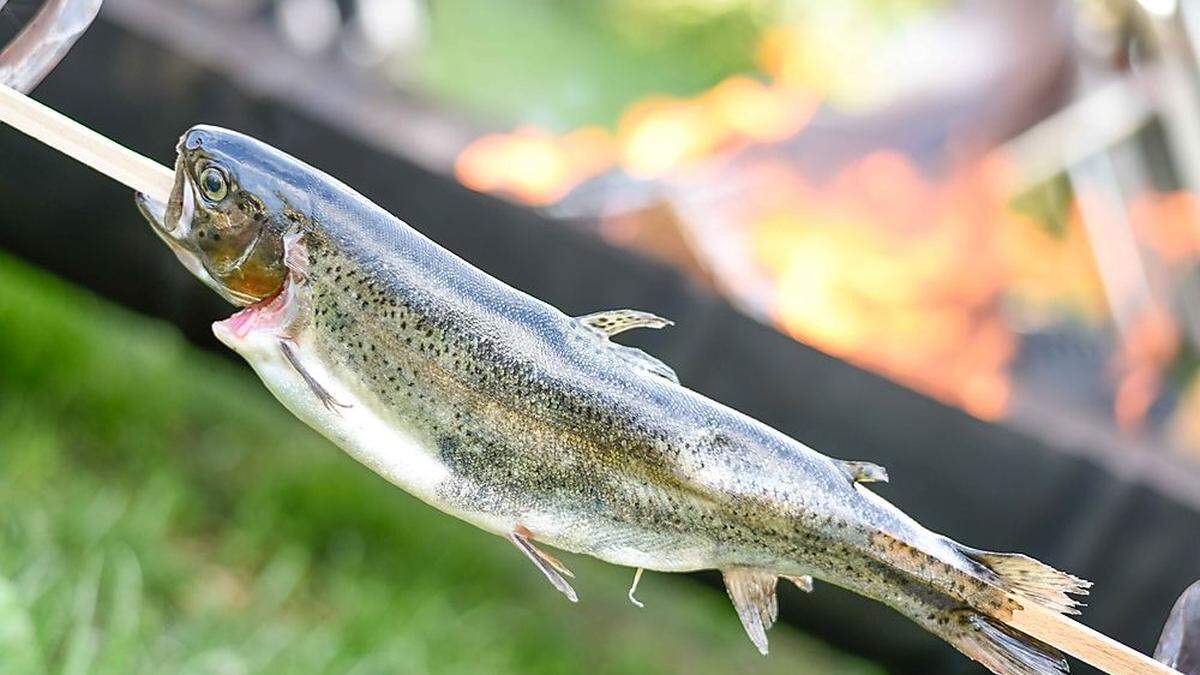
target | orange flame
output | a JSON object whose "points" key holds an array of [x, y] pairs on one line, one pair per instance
{"points": [[1169, 226], [532, 165], [898, 275], [654, 136], [880, 265]]}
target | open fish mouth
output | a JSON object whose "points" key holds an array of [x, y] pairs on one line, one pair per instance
{"points": [[271, 314], [275, 314]]}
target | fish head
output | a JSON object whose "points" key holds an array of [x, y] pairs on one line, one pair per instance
{"points": [[230, 207]]}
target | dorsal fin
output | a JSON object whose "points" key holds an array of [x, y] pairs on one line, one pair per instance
{"points": [[864, 472], [609, 323], [753, 596], [615, 321]]}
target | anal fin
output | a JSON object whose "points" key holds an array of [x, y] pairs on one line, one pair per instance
{"points": [[547, 564], [753, 595]]}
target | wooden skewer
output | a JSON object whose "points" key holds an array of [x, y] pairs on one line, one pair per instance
{"points": [[1083, 643], [156, 181], [75, 140]]}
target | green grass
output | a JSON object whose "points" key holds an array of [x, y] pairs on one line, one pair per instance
{"points": [[160, 513]]}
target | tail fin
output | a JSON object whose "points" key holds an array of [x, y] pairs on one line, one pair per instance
{"points": [[1001, 649], [1027, 578], [971, 614]]}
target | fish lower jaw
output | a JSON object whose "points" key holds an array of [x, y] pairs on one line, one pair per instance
{"points": [[269, 317]]}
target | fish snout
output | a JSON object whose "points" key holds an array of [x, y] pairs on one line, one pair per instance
{"points": [[154, 211]]}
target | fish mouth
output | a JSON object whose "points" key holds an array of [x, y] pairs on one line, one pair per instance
{"points": [[172, 222], [276, 314], [270, 314]]}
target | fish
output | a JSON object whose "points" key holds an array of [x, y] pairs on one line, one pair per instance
{"points": [[497, 408]]}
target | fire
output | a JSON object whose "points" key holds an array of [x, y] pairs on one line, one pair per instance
{"points": [[658, 135], [1168, 225], [760, 113], [928, 281], [1147, 349], [654, 137], [878, 265], [532, 165], [897, 274]]}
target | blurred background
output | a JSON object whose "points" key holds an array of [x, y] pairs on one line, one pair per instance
{"points": [[959, 238]]}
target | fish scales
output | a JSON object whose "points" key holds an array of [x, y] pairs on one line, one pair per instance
{"points": [[555, 421], [501, 410], [523, 434]]}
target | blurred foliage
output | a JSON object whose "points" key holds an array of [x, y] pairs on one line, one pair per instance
{"points": [[1048, 204], [561, 64], [159, 512]]}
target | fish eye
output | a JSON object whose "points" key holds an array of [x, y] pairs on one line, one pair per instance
{"points": [[213, 183]]}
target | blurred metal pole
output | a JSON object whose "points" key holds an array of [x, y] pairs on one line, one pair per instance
{"points": [[1099, 190], [1103, 182], [1170, 27], [1104, 116], [1163, 26]]}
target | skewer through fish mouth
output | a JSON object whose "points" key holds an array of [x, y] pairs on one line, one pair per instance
{"points": [[225, 216]]}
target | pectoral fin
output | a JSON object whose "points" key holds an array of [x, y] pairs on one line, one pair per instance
{"points": [[547, 564], [331, 404], [753, 596], [616, 321]]}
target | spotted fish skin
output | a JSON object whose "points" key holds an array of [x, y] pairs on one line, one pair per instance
{"points": [[542, 422], [501, 410]]}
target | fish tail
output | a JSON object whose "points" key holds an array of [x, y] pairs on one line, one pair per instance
{"points": [[990, 642], [968, 603], [986, 638], [1031, 580]]}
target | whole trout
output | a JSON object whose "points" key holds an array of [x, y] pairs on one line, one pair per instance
{"points": [[497, 408]]}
